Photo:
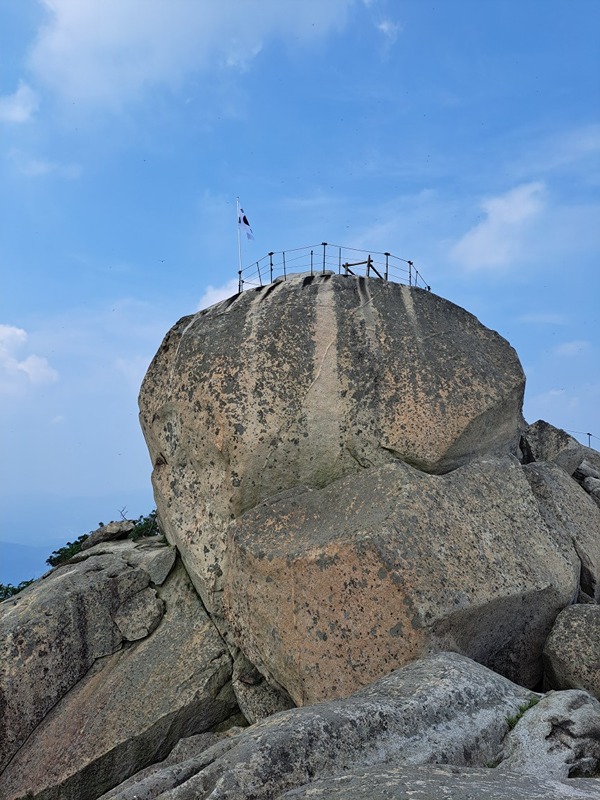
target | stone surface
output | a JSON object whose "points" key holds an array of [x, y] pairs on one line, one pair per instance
{"points": [[182, 762], [443, 708], [131, 706], [256, 698], [586, 470], [139, 616], [592, 485], [57, 628], [305, 381], [572, 518], [110, 532], [557, 738], [328, 590], [572, 651], [547, 443], [437, 782]]}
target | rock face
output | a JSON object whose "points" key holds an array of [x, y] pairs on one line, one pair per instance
{"points": [[557, 738], [407, 562], [345, 469], [444, 709], [389, 782], [573, 520], [572, 651], [309, 380], [106, 663]]}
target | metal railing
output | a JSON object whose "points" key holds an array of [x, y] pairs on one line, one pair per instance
{"points": [[326, 258]]}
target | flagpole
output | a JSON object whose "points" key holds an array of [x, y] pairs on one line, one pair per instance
{"points": [[239, 244]]}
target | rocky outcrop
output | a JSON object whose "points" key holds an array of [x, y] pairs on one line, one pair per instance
{"points": [[557, 738], [444, 709], [328, 590], [573, 520], [572, 651], [309, 380], [547, 443], [55, 630], [437, 782], [106, 664], [109, 533], [344, 466]]}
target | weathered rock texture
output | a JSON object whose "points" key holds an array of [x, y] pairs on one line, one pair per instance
{"points": [[109, 533], [573, 520], [444, 708], [309, 380], [327, 590], [557, 738], [103, 670], [437, 782], [547, 443], [572, 651], [57, 628]]}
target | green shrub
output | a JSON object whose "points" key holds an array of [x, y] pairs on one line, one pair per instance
{"points": [[512, 721], [8, 590], [63, 554], [145, 526]]}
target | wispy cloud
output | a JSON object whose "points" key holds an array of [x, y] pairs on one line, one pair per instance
{"points": [[108, 52], [497, 240], [214, 294], [33, 167], [573, 348], [389, 29], [20, 106], [544, 318], [13, 368]]}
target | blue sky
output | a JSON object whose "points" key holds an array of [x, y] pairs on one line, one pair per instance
{"points": [[461, 134]]}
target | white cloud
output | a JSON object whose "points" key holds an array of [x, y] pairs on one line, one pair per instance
{"points": [[214, 294], [20, 106], [543, 318], [389, 29], [41, 168], [572, 348], [498, 239], [12, 368], [107, 52]]}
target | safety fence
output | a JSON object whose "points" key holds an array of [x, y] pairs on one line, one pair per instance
{"points": [[327, 258]]}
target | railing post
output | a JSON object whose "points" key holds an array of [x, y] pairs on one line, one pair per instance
{"points": [[312, 272], [240, 281], [410, 266], [284, 272], [340, 262], [369, 266], [271, 265], [259, 275], [324, 253], [387, 255]]}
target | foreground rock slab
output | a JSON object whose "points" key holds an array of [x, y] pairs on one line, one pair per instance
{"points": [[437, 782], [557, 738], [134, 702], [442, 708], [57, 628], [328, 590], [305, 381]]}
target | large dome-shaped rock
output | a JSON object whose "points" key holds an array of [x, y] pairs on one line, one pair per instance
{"points": [[305, 381], [327, 590]]}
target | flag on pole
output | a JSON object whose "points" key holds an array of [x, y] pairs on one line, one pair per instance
{"points": [[243, 224]]}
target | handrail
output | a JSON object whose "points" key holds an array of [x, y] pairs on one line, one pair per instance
{"points": [[326, 258]]}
